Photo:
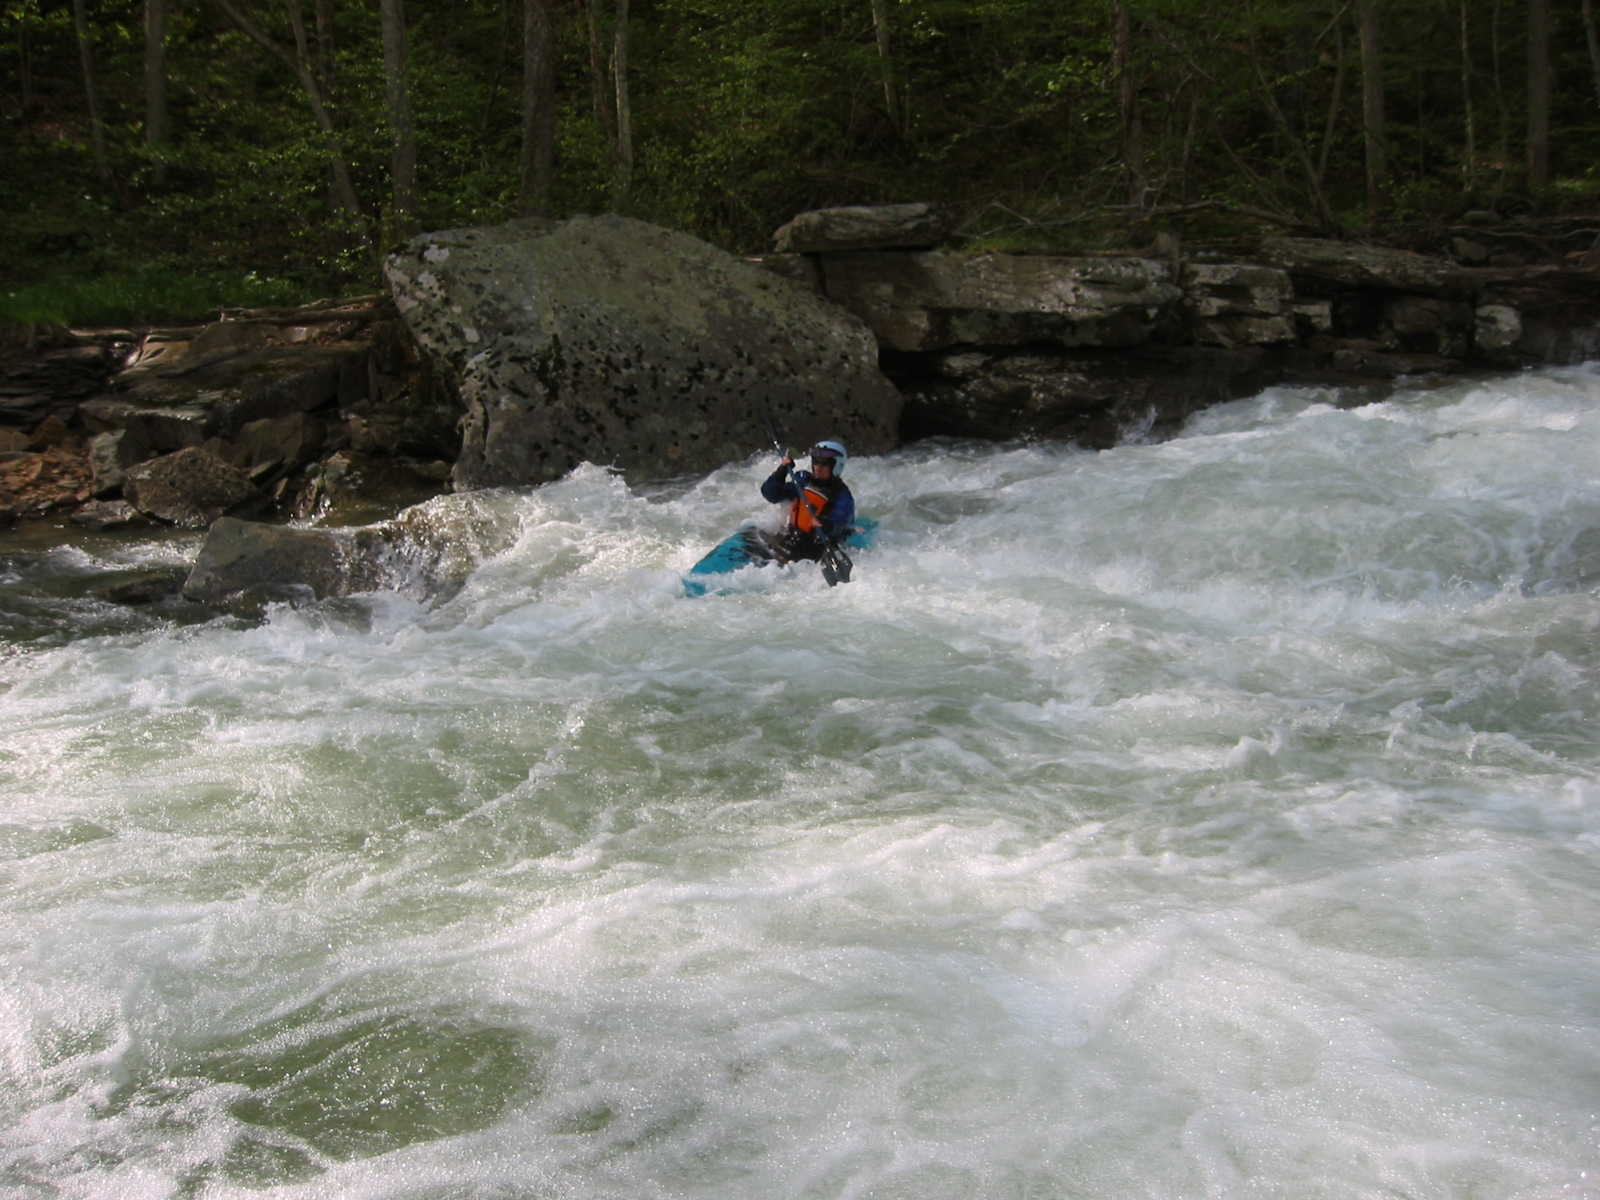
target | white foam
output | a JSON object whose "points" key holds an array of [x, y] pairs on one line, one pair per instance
{"points": [[1185, 819]]}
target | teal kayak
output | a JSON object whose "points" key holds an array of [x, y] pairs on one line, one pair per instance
{"points": [[750, 546]]}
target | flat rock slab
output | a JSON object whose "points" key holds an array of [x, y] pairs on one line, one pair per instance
{"points": [[863, 227]]}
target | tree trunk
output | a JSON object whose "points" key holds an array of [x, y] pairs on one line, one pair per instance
{"points": [[538, 108], [891, 88], [24, 67], [156, 127], [1130, 135], [1591, 36], [326, 47], [1502, 156], [1374, 133], [1538, 94], [299, 61], [91, 98], [402, 129], [1591, 260], [1190, 135], [619, 75], [601, 92], [1330, 127], [1469, 131]]}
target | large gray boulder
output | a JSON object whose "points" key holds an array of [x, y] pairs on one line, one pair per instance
{"points": [[608, 340]]}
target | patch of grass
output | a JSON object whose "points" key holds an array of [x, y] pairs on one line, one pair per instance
{"points": [[1582, 192], [140, 296]]}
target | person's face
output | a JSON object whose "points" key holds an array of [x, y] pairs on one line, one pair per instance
{"points": [[822, 467]]}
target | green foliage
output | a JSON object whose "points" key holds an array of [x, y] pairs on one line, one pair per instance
{"points": [[748, 111], [142, 295]]}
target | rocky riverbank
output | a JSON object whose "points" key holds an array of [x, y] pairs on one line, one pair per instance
{"points": [[506, 356], [323, 411]]}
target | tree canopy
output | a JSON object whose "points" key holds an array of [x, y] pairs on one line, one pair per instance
{"points": [[299, 138]]}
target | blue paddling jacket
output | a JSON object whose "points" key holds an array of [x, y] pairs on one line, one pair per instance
{"points": [[829, 498]]}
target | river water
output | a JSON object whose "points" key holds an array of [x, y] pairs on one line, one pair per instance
{"points": [[1211, 818]]}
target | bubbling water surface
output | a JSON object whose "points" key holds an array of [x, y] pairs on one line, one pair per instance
{"points": [[1217, 817]]}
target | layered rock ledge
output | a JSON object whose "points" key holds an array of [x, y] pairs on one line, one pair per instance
{"points": [[1088, 347], [269, 412]]}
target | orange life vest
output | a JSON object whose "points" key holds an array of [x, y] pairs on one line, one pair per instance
{"points": [[800, 516]]}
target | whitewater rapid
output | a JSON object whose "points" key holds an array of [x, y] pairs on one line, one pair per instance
{"points": [[1218, 817]]}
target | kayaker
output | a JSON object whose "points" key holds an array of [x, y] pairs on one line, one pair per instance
{"points": [[821, 507]]}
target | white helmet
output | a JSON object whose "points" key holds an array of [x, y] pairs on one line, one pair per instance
{"points": [[831, 451]]}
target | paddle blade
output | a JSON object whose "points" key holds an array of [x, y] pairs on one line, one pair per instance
{"points": [[836, 566]]}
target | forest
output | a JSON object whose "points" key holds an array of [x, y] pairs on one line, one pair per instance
{"points": [[180, 154]]}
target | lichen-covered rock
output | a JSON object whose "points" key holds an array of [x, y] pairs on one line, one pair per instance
{"points": [[608, 340]]}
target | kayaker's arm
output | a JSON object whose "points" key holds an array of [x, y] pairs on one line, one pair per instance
{"points": [[778, 486], [840, 515]]}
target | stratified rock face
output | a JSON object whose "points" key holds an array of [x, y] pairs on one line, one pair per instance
{"points": [[934, 301], [1238, 304], [607, 340], [1355, 264]]}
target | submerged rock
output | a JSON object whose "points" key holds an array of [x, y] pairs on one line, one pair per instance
{"points": [[109, 514], [426, 552], [142, 586], [239, 557]]}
